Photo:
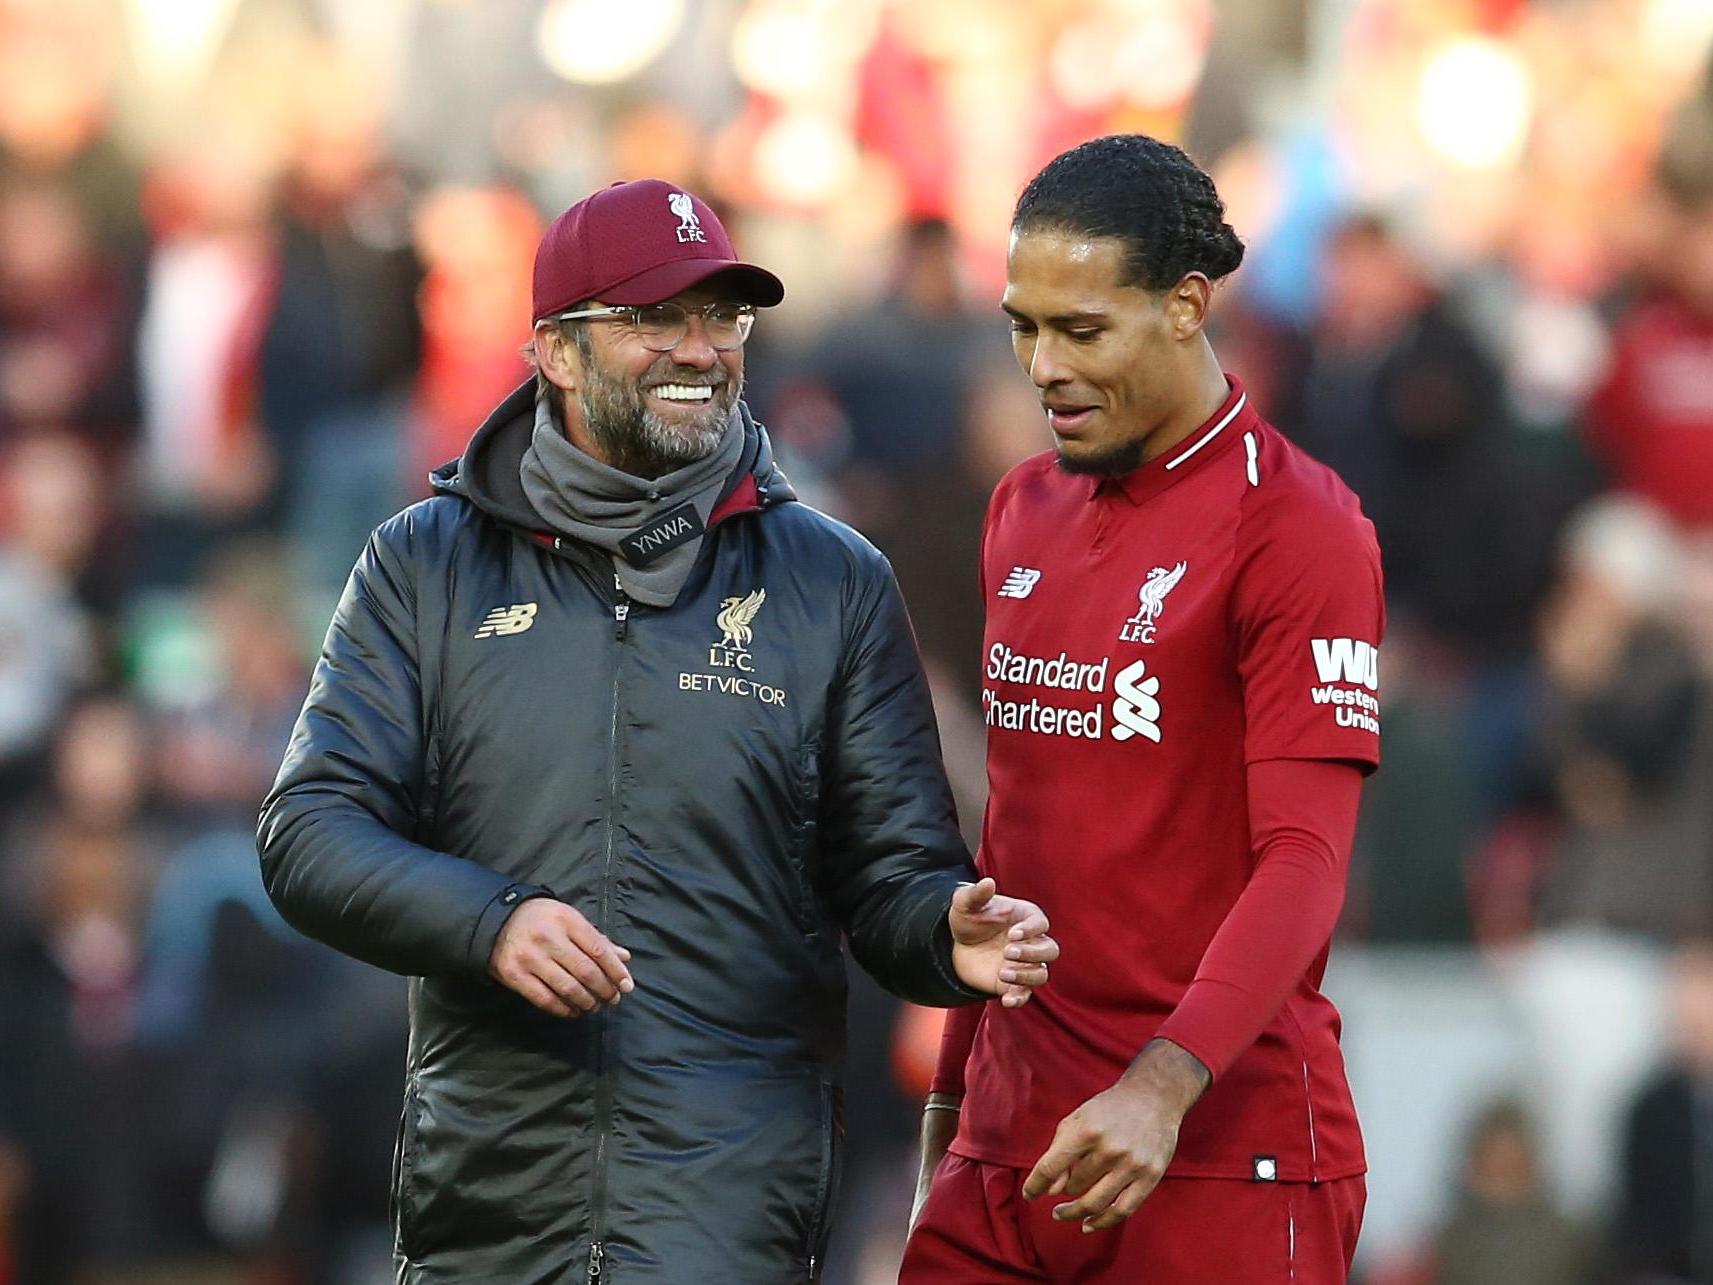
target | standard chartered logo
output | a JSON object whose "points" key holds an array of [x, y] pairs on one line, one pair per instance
{"points": [[1058, 705], [1135, 707]]}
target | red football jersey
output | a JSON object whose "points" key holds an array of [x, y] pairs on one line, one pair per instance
{"points": [[1149, 637]]}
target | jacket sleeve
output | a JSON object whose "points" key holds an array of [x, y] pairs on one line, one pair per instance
{"points": [[891, 848], [334, 834]]}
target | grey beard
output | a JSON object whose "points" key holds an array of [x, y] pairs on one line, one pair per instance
{"points": [[641, 442]]}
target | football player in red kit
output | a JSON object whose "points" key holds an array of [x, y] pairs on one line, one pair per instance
{"points": [[1182, 700]]}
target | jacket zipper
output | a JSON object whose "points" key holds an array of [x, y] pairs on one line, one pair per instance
{"points": [[603, 1084], [824, 1190]]}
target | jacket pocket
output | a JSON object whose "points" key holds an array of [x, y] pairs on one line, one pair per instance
{"points": [[403, 1198], [805, 831], [827, 1186]]}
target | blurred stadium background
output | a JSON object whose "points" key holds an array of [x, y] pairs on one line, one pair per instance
{"points": [[264, 262]]}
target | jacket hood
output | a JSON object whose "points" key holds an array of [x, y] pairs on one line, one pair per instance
{"points": [[487, 474]]}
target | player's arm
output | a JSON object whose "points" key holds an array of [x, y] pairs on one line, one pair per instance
{"points": [[1302, 820], [940, 1114], [1108, 1155]]}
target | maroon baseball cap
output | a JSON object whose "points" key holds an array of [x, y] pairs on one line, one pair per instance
{"points": [[640, 242]]}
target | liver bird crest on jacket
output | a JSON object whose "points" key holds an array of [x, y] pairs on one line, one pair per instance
{"points": [[735, 615]]}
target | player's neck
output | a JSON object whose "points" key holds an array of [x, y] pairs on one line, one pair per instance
{"points": [[1208, 391]]}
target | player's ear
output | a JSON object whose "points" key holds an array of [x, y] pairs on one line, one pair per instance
{"points": [[1187, 304]]}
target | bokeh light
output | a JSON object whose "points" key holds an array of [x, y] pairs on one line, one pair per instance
{"points": [[1475, 103], [599, 42], [176, 39], [781, 49], [803, 158], [1150, 53]]}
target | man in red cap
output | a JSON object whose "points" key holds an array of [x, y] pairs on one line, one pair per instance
{"points": [[610, 743]]}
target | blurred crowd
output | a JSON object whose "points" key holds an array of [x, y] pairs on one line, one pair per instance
{"points": [[222, 363]]}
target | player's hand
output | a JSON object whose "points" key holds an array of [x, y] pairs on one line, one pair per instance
{"points": [[1111, 1152], [999, 944], [557, 960]]}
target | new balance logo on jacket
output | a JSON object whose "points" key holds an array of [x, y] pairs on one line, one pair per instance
{"points": [[507, 620]]}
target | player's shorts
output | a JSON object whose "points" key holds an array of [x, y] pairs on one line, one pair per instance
{"points": [[977, 1229]]}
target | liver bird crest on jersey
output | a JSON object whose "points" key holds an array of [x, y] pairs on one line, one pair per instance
{"points": [[1151, 599]]}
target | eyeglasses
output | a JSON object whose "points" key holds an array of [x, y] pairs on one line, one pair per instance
{"points": [[662, 326]]}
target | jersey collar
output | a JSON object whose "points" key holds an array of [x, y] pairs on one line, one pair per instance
{"points": [[1211, 439]]}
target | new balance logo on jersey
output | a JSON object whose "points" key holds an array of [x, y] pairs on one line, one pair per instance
{"points": [[507, 620], [1347, 660], [1020, 583], [1136, 707]]}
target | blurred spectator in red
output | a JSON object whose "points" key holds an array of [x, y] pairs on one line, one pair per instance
{"points": [[479, 245], [65, 319], [1664, 1228], [48, 513], [218, 756], [342, 345], [206, 467], [1651, 419], [1504, 1229]]}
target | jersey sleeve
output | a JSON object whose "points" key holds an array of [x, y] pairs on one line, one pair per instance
{"points": [[1302, 818], [1308, 618], [957, 1038]]}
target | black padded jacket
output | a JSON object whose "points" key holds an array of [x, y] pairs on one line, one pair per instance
{"points": [[728, 787]]}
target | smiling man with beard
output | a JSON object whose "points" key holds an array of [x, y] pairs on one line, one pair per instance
{"points": [[612, 718]]}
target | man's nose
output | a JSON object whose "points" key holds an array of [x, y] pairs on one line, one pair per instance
{"points": [[695, 348], [1046, 366]]}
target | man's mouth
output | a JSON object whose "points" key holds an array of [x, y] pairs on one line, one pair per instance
{"points": [[1069, 419], [692, 393]]}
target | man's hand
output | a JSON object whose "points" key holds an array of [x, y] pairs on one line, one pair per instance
{"points": [[999, 944], [557, 960], [1111, 1152]]}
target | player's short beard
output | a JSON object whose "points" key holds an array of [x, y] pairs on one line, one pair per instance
{"points": [[637, 440], [1114, 461]]}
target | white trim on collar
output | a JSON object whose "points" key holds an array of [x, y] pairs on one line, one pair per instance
{"points": [[1210, 434]]}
